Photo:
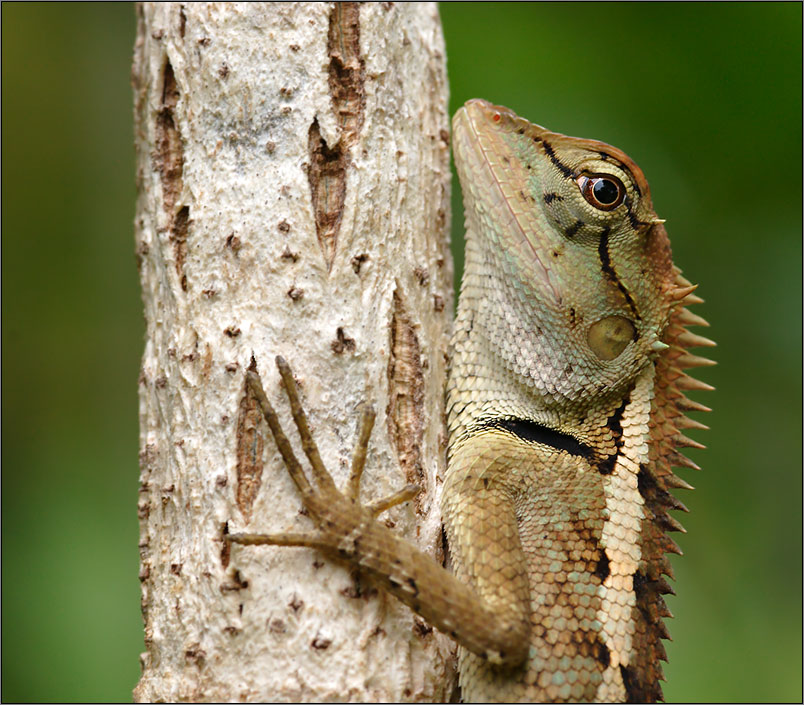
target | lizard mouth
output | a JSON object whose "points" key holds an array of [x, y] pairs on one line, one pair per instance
{"points": [[487, 166]]}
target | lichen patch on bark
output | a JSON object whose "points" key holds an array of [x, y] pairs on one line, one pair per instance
{"points": [[328, 165], [405, 412]]}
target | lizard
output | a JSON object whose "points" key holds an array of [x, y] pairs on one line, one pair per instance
{"points": [[566, 406]]}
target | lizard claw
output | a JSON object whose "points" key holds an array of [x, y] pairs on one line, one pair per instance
{"points": [[407, 493], [331, 509]]}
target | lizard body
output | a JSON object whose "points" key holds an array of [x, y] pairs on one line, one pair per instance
{"points": [[565, 409]]}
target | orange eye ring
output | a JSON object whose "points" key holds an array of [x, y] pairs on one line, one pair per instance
{"points": [[603, 191]]}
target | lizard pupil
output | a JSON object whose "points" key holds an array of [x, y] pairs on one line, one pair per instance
{"points": [[603, 192]]}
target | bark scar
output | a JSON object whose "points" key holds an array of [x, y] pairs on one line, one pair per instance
{"points": [[250, 446], [328, 165], [169, 160], [405, 412]]}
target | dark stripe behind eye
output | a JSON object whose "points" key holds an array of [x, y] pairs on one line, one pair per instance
{"points": [[563, 168]]}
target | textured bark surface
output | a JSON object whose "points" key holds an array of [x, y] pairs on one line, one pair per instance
{"points": [[293, 199]]}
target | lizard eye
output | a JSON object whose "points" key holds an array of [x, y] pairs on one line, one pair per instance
{"points": [[603, 192]]}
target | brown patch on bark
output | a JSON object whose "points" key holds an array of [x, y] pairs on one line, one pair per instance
{"points": [[226, 547], [207, 361], [328, 165], [168, 139], [143, 509], [343, 343], [178, 236], [289, 256], [147, 462], [295, 603], [357, 262], [237, 583], [169, 161], [250, 446], [277, 626], [195, 654], [346, 68], [422, 276], [405, 412], [233, 243], [421, 629], [321, 643], [327, 177]]}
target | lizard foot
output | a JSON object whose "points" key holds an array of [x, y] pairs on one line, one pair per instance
{"points": [[338, 515], [349, 532]]}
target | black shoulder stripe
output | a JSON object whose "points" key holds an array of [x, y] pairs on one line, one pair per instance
{"points": [[536, 433]]}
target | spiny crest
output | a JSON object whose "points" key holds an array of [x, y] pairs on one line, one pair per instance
{"points": [[656, 479]]}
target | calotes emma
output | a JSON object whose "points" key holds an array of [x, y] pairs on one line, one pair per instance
{"points": [[566, 410]]}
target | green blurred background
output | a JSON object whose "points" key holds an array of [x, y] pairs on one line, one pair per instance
{"points": [[706, 98]]}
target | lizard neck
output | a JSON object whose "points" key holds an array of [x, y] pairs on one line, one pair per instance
{"points": [[506, 365]]}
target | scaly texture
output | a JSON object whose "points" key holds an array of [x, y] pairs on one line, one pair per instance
{"points": [[566, 405], [569, 336]]}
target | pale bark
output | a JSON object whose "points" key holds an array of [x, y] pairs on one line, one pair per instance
{"points": [[293, 199]]}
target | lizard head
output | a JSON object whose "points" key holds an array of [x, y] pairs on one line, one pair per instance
{"points": [[568, 229]]}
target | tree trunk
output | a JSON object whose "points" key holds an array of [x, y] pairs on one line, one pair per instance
{"points": [[293, 199]]}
